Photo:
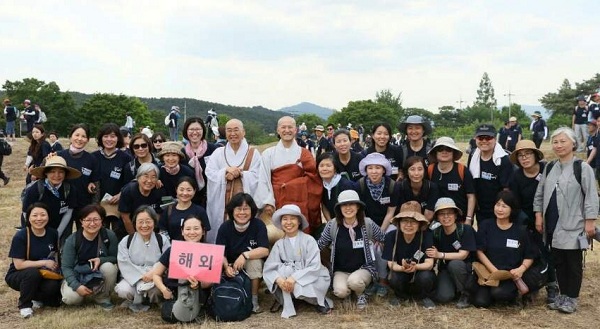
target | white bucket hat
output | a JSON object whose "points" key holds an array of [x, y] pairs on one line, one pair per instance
{"points": [[289, 209]]}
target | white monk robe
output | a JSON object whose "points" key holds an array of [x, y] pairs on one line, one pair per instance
{"points": [[217, 184], [273, 158], [301, 260]]}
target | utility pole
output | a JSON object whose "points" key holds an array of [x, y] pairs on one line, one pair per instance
{"points": [[460, 101], [509, 101]]}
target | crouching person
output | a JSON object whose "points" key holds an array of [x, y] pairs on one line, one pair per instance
{"points": [[411, 270], [136, 257], [293, 268], [89, 259]]}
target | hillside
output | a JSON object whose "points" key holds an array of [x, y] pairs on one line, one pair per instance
{"points": [[310, 108]]}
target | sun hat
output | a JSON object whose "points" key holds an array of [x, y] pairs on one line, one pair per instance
{"points": [[445, 203], [444, 141], [319, 128], [525, 144], [537, 114], [353, 133], [289, 209], [171, 147], [56, 162], [410, 209], [174, 108], [375, 159], [415, 120], [485, 130], [348, 196], [512, 119]]}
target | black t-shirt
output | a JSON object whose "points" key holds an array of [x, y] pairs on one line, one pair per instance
{"points": [[322, 146], [111, 172], [131, 168], [40, 247], [56, 206], [592, 141], [350, 170], [329, 202], [502, 136], [236, 243], [422, 152], [594, 110], [493, 179], [506, 249], [513, 135], [450, 185], [88, 166], [427, 197], [581, 115], [172, 224], [422, 241], [394, 155], [131, 198], [377, 209], [448, 243], [170, 181], [164, 259], [524, 189], [347, 258]]}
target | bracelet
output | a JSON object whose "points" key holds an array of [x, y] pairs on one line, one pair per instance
{"points": [[468, 217], [444, 256]]}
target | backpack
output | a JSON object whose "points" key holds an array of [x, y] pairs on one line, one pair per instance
{"points": [[5, 148], [461, 170], [333, 229], [156, 234], [437, 233], [11, 113], [231, 300], [168, 119], [43, 117], [405, 149], [363, 186], [576, 171]]}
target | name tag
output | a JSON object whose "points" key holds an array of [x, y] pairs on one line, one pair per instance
{"points": [[456, 244], [115, 175], [487, 176], [509, 138], [453, 187], [385, 200], [358, 244], [63, 210], [418, 255], [538, 177], [86, 171], [510, 243], [394, 170]]}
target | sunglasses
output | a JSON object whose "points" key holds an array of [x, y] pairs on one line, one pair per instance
{"points": [[158, 141], [138, 146], [445, 149], [485, 138], [329, 128]]}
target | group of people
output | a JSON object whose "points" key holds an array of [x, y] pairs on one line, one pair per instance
{"points": [[390, 218]]}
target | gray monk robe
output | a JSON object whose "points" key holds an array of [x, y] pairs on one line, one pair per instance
{"points": [[299, 259]]}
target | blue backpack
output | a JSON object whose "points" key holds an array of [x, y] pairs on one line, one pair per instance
{"points": [[231, 299]]}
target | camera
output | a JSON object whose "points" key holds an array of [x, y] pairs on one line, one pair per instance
{"points": [[584, 243], [434, 225]]}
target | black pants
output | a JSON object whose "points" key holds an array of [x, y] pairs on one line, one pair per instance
{"points": [[537, 142], [506, 291], [452, 280], [421, 287], [569, 270], [33, 287], [2, 175]]}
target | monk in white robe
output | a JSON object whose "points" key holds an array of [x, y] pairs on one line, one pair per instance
{"points": [[232, 169]]}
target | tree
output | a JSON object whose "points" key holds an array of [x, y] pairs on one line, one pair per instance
{"points": [[103, 108], [365, 112], [386, 97], [311, 120], [485, 94], [561, 102]]}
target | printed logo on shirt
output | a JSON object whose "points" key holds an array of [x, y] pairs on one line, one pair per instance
{"points": [[453, 187], [253, 243], [488, 176], [51, 247], [85, 171]]}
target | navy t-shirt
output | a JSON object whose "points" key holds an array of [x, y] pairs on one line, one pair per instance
{"points": [[131, 168], [40, 247], [88, 166], [421, 153], [524, 189], [493, 179], [349, 170], [450, 185], [448, 243], [236, 243], [592, 141], [131, 198], [172, 224], [506, 249], [394, 155], [56, 206], [406, 250], [377, 209], [111, 172], [581, 115], [513, 136], [347, 258], [427, 197], [170, 181], [89, 249], [164, 259]]}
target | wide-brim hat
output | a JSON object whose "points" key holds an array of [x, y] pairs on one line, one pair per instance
{"points": [[411, 209], [374, 159], [415, 120], [525, 144], [445, 203], [537, 114], [171, 147], [289, 209], [348, 196], [444, 141], [174, 108], [56, 162], [319, 128]]}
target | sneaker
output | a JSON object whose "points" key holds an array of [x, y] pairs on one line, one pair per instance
{"points": [[256, 309], [382, 291], [361, 302], [463, 302], [324, 310], [26, 313], [428, 304], [37, 304], [551, 293], [372, 289], [105, 305], [125, 304], [568, 306], [6, 180], [558, 301]]}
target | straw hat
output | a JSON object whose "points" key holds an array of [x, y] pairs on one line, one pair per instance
{"points": [[410, 209], [171, 147], [446, 203], [444, 141], [56, 162], [289, 209], [375, 159], [525, 144]]}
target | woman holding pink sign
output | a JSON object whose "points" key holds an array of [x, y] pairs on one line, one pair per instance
{"points": [[183, 296]]}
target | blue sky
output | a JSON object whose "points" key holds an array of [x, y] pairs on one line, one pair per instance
{"points": [[279, 53]]}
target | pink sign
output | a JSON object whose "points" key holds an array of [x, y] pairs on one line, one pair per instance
{"points": [[201, 260]]}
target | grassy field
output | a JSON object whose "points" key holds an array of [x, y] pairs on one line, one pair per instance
{"points": [[378, 315]]}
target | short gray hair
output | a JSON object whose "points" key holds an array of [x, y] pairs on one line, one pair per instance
{"points": [[146, 168], [568, 132]]}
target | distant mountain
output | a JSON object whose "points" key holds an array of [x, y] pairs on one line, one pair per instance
{"points": [[310, 108], [529, 109]]}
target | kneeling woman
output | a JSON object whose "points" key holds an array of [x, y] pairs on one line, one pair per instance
{"points": [[411, 270], [351, 236], [32, 249], [137, 255], [293, 268], [186, 297], [89, 261], [504, 245]]}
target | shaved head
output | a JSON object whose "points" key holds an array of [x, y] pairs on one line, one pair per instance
{"points": [[234, 123], [286, 120]]}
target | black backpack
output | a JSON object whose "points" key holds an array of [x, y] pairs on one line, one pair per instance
{"points": [[231, 299], [11, 113], [5, 148], [156, 234]]}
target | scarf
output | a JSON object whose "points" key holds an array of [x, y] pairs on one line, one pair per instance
{"points": [[333, 183], [475, 165], [114, 154], [375, 189], [195, 156], [351, 229], [75, 150], [52, 189], [172, 170]]}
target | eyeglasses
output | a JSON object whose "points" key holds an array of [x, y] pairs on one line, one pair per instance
{"points": [[407, 221], [485, 138], [158, 141], [329, 128], [445, 213], [138, 146], [195, 129], [241, 209], [524, 155], [91, 220]]}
